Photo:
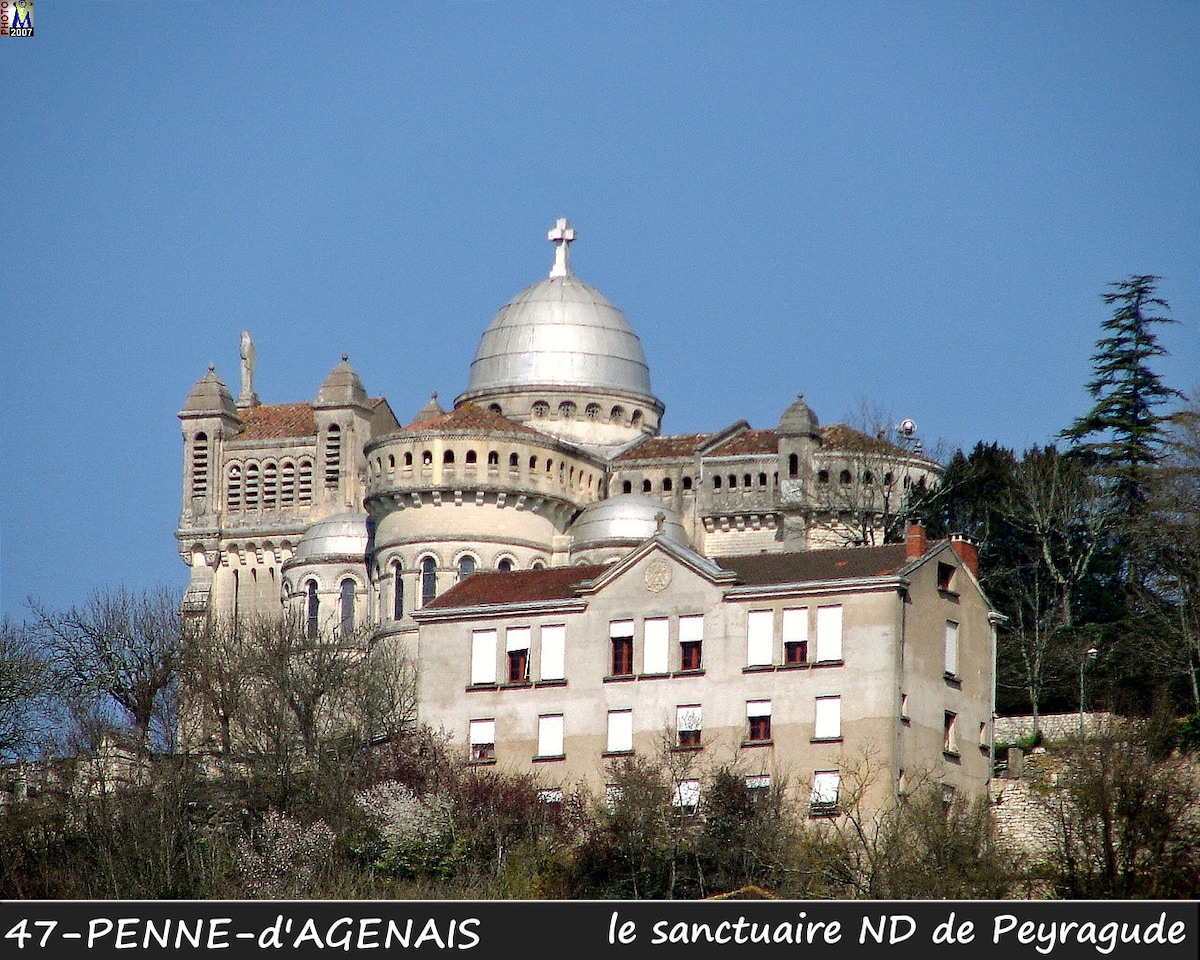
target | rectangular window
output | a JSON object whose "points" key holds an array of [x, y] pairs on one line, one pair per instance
{"points": [[691, 639], [613, 795], [758, 785], [554, 650], [621, 632], [483, 740], [483, 656], [688, 725], [829, 634], [829, 718], [551, 795], [516, 645], [824, 798], [657, 645], [686, 798], [951, 648], [904, 706], [795, 635], [620, 731], [950, 732], [550, 735], [760, 638], [758, 717], [945, 575]]}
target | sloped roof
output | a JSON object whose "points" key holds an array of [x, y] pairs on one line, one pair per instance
{"points": [[746, 442], [518, 586], [666, 448], [850, 563], [469, 416], [276, 421], [838, 436]]}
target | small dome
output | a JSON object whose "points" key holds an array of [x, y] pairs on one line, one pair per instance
{"points": [[210, 395], [431, 409], [799, 420], [625, 519], [342, 535], [342, 386]]}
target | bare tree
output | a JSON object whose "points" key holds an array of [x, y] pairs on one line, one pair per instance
{"points": [[121, 647], [24, 691]]}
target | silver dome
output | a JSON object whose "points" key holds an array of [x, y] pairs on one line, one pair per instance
{"points": [[560, 333], [625, 519], [342, 535]]}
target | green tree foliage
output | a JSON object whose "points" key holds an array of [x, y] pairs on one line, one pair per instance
{"points": [[1123, 433]]}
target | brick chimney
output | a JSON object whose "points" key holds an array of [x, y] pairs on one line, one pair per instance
{"points": [[914, 540], [967, 549]]}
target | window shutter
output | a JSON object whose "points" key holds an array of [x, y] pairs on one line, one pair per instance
{"points": [[688, 718], [758, 708], [554, 648], [829, 633], [550, 736], [620, 731], [654, 651], [760, 627], [829, 718], [516, 638], [691, 629], [483, 656], [483, 731]]}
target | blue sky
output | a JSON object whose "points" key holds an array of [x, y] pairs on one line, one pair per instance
{"points": [[914, 204]]}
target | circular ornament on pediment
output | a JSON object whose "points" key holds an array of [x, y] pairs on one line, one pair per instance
{"points": [[658, 576]]}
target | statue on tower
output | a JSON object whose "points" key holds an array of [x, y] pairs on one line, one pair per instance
{"points": [[247, 397]]}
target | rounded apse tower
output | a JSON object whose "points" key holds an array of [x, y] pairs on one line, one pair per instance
{"points": [[560, 357]]}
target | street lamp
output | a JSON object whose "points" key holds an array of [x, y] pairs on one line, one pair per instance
{"points": [[1089, 656]]}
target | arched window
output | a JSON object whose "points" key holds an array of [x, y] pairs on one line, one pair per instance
{"points": [[287, 484], [793, 465], [448, 456], [250, 495], [646, 485], [627, 486], [889, 478], [233, 487], [592, 411], [822, 476], [844, 477], [493, 458], [408, 459], [466, 566], [549, 465], [636, 419], [312, 610], [717, 482], [391, 461], [505, 565], [304, 486], [762, 479], [495, 408], [200, 465], [868, 477], [618, 414], [333, 455], [566, 410], [347, 612], [514, 461], [428, 581], [541, 409], [270, 486], [533, 463], [732, 481], [426, 458], [538, 565], [666, 484], [746, 480], [687, 483], [397, 591]]}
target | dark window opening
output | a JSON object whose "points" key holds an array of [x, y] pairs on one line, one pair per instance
{"points": [[795, 651], [622, 657], [428, 581], [760, 728], [627, 486], [518, 666], [689, 654], [312, 611], [793, 465]]}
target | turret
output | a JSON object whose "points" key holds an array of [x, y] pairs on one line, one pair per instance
{"points": [[342, 414]]}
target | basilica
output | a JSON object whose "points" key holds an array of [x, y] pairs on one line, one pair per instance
{"points": [[542, 540]]}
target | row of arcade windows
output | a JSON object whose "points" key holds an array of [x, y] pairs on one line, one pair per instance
{"points": [[269, 485], [567, 410], [312, 609]]}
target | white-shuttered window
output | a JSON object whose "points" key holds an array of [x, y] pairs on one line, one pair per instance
{"points": [[824, 798], [516, 648], [760, 630], [657, 644], [621, 633], [554, 650], [829, 718], [758, 720], [691, 642], [688, 723], [483, 739], [687, 796], [550, 735], [795, 635], [951, 648], [829, 633], [620, 731], [483, 656]]}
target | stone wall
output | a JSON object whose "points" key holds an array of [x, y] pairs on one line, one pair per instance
{"points": [[1054, 726]]}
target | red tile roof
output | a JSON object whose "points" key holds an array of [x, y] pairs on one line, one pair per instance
{"points": [[518, 586], [748, 441], [848, 563], [276, 421], [666, 448], [838, 436], [469, 417]]}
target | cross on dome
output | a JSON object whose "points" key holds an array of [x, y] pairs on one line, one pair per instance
{"points": [[561, 235]]}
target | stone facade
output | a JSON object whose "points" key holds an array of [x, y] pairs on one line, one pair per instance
{"points": [[552, 459]]}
